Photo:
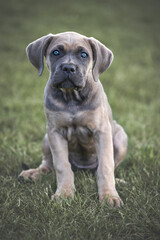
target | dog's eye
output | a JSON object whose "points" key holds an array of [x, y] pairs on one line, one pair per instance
{"points": [[56, 52], [84, 54]]}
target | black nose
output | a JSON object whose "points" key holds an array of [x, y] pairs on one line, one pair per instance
{"points": [[69, 68]]}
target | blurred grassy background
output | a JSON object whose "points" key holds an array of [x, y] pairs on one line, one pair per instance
{"points": [[131, 29]]}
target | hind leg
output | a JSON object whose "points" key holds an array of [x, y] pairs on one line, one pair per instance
{"points": [[45, 167], [120, 142]]}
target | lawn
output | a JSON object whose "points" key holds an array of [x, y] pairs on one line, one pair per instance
{"points": [[131, 29]]}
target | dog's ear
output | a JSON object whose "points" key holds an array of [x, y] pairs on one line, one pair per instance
{"points": [[102, 57], [36, 51]]}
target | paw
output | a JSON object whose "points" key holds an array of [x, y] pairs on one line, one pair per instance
{"points": [[63, 194], [112, 199], [29, 175], [33, 174]]}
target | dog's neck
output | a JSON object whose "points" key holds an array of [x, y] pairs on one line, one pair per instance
{"points": [[84, 96], [71, 99], [71, 95]]}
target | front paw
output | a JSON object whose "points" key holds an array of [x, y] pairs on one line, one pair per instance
{"points": [[63, 194], [112, 198]]}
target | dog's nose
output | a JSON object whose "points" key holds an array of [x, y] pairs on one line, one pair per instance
{"points": [[69, 68]]}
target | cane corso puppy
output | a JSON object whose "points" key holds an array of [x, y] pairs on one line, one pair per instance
{"points": [[81, 133]]}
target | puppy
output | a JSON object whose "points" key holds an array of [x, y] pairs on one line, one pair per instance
{"points": [[81, 133]]}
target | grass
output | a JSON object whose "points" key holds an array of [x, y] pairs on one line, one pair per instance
{"points": [[131, 30]]}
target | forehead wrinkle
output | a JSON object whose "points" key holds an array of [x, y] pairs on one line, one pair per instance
{"points": [[72, 46], [71, 42]]}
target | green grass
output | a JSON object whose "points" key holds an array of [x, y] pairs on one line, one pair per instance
{"points": [[131, 30]]}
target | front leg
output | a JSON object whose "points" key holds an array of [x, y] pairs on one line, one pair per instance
{"points": [[105, 171], [64, 174]]}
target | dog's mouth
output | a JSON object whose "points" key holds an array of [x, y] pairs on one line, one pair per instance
{"points": [[68, 84]]}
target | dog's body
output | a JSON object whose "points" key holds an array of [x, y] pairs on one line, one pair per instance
{"points": [[80, 131]]}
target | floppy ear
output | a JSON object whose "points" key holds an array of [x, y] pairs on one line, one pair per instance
{"points": [[36, 51], [102, 57]]}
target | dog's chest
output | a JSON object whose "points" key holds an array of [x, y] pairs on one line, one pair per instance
{"points": [[77, 134], [76, 128]]}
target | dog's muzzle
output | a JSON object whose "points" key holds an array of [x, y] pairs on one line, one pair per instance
{"points": [[68, 77], [68, 84]]}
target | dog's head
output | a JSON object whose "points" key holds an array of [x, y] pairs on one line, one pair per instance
{"points": [[70, 57]]}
